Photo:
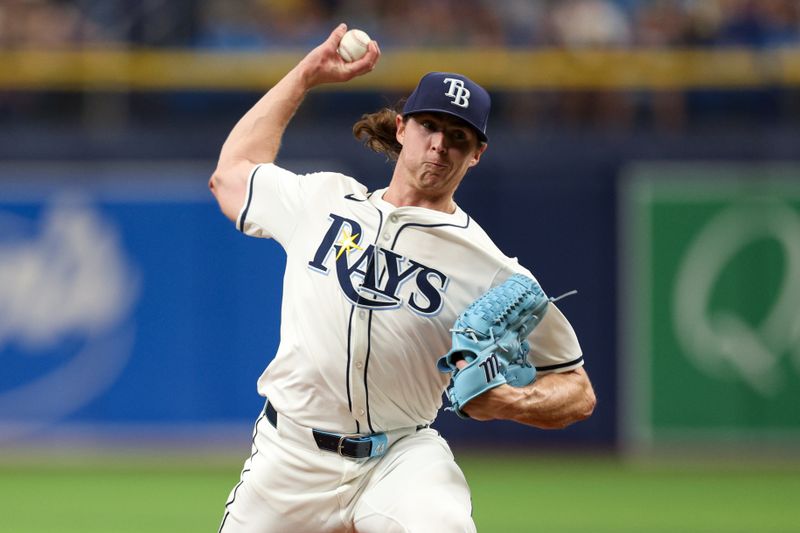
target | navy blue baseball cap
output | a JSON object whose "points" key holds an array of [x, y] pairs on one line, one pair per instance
{"points": [[454, 94]]}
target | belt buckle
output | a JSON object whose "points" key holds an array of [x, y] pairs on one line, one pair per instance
{"points": [[341, 443]]}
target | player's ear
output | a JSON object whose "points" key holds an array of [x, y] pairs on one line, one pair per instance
{"points": [[476, 156], [401, 128]]}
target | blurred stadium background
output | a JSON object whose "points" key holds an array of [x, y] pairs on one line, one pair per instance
{"points": [[646, 153]]}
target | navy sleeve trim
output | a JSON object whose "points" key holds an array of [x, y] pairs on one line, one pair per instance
{"points": [[243, 216], [560, 365]]}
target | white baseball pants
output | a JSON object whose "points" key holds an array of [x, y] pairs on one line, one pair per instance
{"points": [[290, 485]]}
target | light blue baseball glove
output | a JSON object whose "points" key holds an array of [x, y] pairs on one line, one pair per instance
{"points": [[490, 335]]}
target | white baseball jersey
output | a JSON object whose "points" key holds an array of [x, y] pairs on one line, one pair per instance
{"points": [[369, 295]]}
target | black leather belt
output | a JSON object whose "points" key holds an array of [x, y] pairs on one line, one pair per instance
{"points": [[353, 447]]}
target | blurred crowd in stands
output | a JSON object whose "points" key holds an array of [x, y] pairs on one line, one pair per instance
{"points": [[253, 25], [256, 24]]}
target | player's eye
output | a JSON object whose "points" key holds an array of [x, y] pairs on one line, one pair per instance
{"points": [[428, 125]]}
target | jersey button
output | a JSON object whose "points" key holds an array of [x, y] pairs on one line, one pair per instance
{"points": [[386, 236], [362, 314], [393, 218], [361, 412], [359, 364]]}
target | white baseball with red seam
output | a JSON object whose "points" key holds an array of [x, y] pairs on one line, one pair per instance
{"points": [[353, 45]]}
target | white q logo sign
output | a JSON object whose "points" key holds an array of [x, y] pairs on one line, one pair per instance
{"points": [[722, 340]]}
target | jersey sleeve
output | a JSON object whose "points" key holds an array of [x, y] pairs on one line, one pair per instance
{"points": [[273, 204], [554, 344]]}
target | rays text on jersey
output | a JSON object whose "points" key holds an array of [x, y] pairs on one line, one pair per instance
{"points": [[372, 276]]}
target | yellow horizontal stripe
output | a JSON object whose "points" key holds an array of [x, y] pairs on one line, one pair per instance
{"points": [[399, 69]]}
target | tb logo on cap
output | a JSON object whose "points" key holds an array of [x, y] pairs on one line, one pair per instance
{"points": [[458, 93]]}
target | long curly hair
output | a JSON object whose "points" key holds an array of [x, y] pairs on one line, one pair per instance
{"points": [[378, 131]]}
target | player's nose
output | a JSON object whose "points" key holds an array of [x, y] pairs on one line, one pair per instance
{"points": [[438, 141]]}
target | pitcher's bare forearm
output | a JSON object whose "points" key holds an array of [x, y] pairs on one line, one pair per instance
{"points": [[553, 401], [256, 138]]}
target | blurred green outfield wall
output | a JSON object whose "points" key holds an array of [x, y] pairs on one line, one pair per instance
{"points": [[712, 292]]}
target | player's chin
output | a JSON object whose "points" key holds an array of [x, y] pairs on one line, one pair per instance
{"points": [[435, 186], [436, 177]]}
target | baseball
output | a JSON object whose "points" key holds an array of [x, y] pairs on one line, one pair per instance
{"points": [[353, 45]]}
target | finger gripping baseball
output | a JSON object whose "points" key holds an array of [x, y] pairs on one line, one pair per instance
{"points": [[491, 335]]}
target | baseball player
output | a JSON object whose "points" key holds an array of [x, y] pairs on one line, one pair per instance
{"points": [[374, 281]]}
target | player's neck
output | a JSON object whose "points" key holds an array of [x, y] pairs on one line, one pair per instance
{"points": [[403, 196]]}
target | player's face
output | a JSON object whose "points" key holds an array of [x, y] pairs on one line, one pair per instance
{"points": [[438, 149]]}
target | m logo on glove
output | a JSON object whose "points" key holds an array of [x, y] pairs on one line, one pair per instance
{"points": [[491, 367]]}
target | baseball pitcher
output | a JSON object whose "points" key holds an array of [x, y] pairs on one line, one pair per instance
{"points": [[391, 298]]}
